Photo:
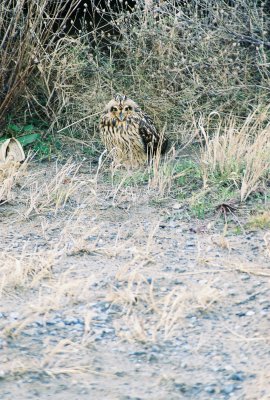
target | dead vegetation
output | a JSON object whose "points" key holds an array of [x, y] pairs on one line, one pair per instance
{"points": [[54, 192], [150, 316], [208, 88], [237, 154], [11, 173], [30, 40]]}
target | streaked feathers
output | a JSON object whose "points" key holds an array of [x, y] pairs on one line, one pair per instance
{"points": [[128, 133]]}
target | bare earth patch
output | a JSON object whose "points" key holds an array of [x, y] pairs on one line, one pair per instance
{"points": [[107, 295]]}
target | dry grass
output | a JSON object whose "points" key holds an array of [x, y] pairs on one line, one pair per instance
{"points": [[267, 243], [55, 193], [237, 154], [200, 57], [151, 316], [29, 34], [181, 65], [259, 220], [24, 271], [56, 359], [11, 173]]}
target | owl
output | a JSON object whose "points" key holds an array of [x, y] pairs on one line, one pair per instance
{"points": [[128, 133]]}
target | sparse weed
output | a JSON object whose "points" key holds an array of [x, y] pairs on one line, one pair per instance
{"points": [[27, 270], [259, 221], [151, 317], [11, 173], [54, 194]]}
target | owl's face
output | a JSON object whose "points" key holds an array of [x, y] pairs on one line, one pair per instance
{"points": [[120, 108]]}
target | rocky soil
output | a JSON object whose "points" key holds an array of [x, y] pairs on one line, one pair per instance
{"points": [[115, 296]]}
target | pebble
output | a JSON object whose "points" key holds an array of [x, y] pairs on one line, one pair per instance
{"points": [[73, 321], [228, 389], [249, 313], [210, 389], [137, 353], [178, 282], [61, 325], [241, 314], [237, 376], [3, 343], [2, 374], [120, 374], [228, 368], [155, 349], [183, 365], [190, 244], [14, 315], [50, 323], [107, 332], [152, 358]]}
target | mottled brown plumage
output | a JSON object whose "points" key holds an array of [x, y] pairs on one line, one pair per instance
{"points": [[128, 133]]}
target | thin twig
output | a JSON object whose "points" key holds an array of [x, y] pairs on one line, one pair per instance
{"points": [[80, 120]]}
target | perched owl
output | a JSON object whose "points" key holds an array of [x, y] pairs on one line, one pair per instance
{"points": [[128, 133]]}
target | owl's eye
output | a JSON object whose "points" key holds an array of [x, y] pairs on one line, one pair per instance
{"points": [[128, 108], [113, 109]]}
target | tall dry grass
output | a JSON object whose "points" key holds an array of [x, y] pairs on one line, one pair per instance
{"points": [[182, 60], [179, 61], [238, 154], [30, 36]]}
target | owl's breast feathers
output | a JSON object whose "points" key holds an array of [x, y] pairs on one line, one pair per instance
{"points": [[133, 138]]}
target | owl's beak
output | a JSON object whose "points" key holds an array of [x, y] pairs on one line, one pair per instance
{"points": [[121, 116]]}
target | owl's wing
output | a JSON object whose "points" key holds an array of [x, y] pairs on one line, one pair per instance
{"points": [[150, 137]]}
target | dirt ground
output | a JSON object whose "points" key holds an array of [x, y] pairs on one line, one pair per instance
{"points": [[107, 294]]}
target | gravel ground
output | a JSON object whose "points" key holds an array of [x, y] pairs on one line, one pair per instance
{"points": [[115, 297]]}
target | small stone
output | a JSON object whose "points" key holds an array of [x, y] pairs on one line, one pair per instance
{"points": [[163, 289], [183, 365], [228, 368], [107, 332], [14, 315], [2, 374], [237, 376], [152, 358], [51, 323], [241, 314], [138, 353], [61, 324], [209, 389], [3, 343], [120, 374], [228, 389], [249, 313], [178, 282], [73, 321]]}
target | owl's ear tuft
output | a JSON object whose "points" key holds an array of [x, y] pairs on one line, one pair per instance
{"points": [[120, 97]]}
